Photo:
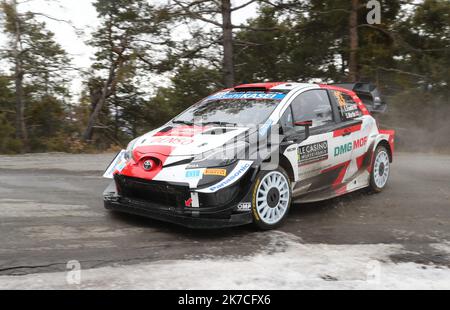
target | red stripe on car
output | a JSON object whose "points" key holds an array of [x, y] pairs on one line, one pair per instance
{"points": [[391, 134], [343, 166], [360, 160], [347, 130], [341, 175], [268, 85]]}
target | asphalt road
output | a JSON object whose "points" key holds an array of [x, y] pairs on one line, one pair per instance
{"points": [[51, 212]]}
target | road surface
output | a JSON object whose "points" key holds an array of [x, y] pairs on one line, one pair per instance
{"points": [[51, 213]]}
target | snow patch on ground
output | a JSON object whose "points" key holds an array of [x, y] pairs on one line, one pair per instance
{"points": [[286, 264]]}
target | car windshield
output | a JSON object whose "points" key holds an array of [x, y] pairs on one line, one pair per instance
{"points": [[229, 112]]}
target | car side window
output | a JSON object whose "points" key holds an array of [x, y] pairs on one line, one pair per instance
{"points": [[348, 109], [287, 120], [313, 105]]}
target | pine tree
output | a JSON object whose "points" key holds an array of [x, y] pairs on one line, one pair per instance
{"points": [[217, 29], [8, 142], [129, 36], [38, 63]]}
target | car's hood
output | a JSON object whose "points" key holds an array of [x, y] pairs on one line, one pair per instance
{"points": [[184, 140]]}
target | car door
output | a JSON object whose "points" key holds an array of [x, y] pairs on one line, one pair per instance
{"points": [[356, 127], [316, 160]]}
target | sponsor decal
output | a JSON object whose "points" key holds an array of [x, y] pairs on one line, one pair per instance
{"points": [[218, 172], [231, 179], [254, 204], [195, 203], [244, 206], [348, 108], [247, 95], [188, 203], [350, 111], [240, 169], [171, 140], [192, 174], [340, 99], [118, 164], [348, 147], [312, 153]]}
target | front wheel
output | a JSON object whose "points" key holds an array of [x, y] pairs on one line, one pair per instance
{"points": [[271, 199], [380, 169]]}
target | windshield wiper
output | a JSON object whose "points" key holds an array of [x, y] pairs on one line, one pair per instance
{"points": [[224, 124], [183, 122], [220, 123]]}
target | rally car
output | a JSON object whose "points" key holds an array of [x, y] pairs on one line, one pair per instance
{"points": [[245, 155]]}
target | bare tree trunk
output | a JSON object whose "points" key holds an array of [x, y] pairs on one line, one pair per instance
{"points": [[227, 43], [87, 135], [21, 129], [116, 118], [354, 42]]}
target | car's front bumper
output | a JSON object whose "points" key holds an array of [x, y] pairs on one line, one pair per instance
{"points": [[202, 217], [150, 210]]}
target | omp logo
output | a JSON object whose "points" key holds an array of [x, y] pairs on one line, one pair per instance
{"points": [[348, 147], [171, 141], [244, 206]]}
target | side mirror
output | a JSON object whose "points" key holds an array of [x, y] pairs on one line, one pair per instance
{"points": [[307, 125]]}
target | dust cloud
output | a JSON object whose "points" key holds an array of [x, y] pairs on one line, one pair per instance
{"points": [[419, 129]]}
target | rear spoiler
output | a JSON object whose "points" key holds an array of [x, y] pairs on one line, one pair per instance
{"points": [[369, 94]]}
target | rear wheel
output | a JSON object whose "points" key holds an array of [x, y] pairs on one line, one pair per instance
{"points": [[271, 199], [380, 169]]}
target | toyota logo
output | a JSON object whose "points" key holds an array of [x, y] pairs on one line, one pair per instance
{"points": [[148, 165]]}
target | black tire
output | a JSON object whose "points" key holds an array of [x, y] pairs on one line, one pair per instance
{"points": [[374, 185], [258, 220]]}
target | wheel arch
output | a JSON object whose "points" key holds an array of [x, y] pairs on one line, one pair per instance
{"points": [[284, 163], [287, 166], [387, 145]]}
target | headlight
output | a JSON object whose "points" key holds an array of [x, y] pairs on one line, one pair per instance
{"points": [[129, 150], [221, 157]]}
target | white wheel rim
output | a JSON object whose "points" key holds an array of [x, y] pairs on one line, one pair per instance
{"points": [[381, 169], [271, 210]]}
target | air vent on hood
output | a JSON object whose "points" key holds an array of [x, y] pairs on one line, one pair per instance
{"points": [[167, 129]]}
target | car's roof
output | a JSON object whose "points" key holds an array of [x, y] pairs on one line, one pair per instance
{"points": [[274, 86], [285, 87]]}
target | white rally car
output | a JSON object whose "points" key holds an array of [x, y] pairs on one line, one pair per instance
{"points": [[244, 155]]}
